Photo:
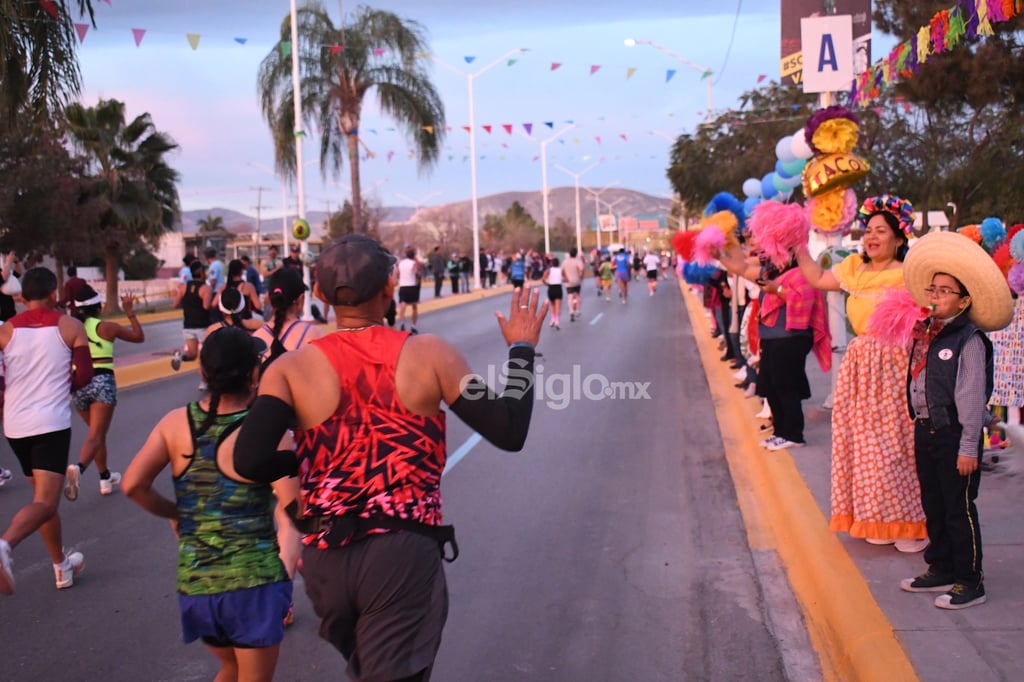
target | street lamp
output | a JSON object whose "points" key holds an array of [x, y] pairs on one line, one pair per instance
{"points": [[470, 77], [705, 72], [284, 201], [576, 177], [597, 207], [416, 204], [617, 231], [544, 178]]}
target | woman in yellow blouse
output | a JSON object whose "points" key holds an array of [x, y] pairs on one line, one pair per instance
{"points": [[875, 491]]}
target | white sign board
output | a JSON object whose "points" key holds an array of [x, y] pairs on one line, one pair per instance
{"points": [[827, 45], [607, 222]]}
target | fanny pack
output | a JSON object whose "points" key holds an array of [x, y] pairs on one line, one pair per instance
{"points": [[338, 529]]}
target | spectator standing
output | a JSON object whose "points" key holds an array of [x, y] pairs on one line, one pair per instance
{"points": [[437, 269], [466, 273], [252, 275], [453, 271], [215, 276], [294, 259], [11, 268], [73, 286], [185, 274]]}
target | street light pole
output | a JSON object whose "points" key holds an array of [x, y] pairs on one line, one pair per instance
{"points": [[470, 77], [597, 207], [284, 202], [544, 179], [299, 135], [576, 178], [705, 72]]}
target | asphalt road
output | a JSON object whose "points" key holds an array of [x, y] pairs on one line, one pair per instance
{"points": [[610, 549]]}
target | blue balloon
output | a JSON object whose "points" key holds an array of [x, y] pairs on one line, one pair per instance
{"points": [[749, 204], [794, 167], [768, 189], [780, 183], [783, 150], [780, 170], [793, 182], [752, 187]]}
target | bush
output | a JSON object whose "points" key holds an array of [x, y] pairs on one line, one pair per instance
{"points": [[141, 265]]}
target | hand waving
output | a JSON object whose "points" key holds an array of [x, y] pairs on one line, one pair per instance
{"points": [[524, 320]]}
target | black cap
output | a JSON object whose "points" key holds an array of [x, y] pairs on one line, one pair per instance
{"points": [[287, 284], [228, 357], [353, 269]]}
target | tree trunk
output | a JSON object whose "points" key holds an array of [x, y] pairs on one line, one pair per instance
{"points": [[111, 264], [357, 199]]}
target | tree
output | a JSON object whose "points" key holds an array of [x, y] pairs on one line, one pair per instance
{"points": [[211, 223], [380, 52], [39, 71], [341, 222], [133, 182]]}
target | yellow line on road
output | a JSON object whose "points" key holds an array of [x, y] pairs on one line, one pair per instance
{"points": [[853, 638]]}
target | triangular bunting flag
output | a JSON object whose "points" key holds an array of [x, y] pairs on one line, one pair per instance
{"points": [[241, 41], [594, 69], [536, 158], [487, 128], [630, 71], [392, 153], [108, 2], [336, 49], [286, 48], [507, 127], [138, 33], [669, 74], [429, 129], [586, 157], [81, 30], [623, 136], [528, 127], [378, 51], [465, 159], [373, 130], [483, 156], [511, 62], [598, 138], [550, 124], [193, 40], [50, 8], [450, 157], [761, 78], [466, 128], [555, 65], [504, 145], [706, 74], [469, 60]]}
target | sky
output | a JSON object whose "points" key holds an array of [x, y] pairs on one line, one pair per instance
{"points": [[206, 99]]}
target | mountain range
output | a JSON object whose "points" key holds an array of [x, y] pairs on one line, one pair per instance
{"points": [[561, 204]]}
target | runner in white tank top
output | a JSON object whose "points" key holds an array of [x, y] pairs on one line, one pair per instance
{"points": [[553, 278]]}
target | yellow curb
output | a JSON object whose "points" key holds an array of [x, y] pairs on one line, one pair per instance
{"points": [[147, 318], [853, 638]]}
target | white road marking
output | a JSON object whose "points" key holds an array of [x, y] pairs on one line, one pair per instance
{"points": [[598, 317], [461, 452]]}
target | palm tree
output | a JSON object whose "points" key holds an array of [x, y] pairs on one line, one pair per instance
{"points": [[381, 52], [132, 180], [39, 71], [211, 223]]}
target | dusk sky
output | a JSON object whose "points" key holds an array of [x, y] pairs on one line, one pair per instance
{"points": [[206, 99]]}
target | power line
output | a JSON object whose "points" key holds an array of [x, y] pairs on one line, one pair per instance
{"points": [[728, 51]]}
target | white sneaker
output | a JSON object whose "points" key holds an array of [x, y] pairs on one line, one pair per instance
{"points": [[5, 475], [6, 569], [107, 485], [783, 444], [741, 374], [911, 546], [71, 480], [769, 441], [65, 573], [176, 360]]}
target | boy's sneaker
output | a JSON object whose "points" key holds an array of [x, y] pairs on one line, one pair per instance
{"points": [[783, 444], [71, 481], [5, 475], [65, 573], [961, 596], [929, 581], [176, 360], [107, 484], [6, 569], [769, 441]]}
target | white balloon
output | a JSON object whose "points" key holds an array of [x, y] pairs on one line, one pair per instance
{"points": [[799, 146], [752, 187], [784, 149]]}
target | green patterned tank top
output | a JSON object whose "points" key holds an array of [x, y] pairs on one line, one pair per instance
{"points": [[226, 530]]}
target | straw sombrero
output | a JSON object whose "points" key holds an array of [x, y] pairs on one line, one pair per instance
{"points": [[957, 255]]}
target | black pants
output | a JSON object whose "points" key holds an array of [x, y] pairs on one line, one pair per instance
{"points": [[948, 500], [455, 283], [438, 283], [723, 318], [782, 379]]}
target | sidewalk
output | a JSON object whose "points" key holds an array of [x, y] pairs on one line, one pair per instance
{"points": [[860, 622], [139, 368]]}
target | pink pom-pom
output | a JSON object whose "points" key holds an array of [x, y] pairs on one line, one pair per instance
{"points": [[894, 318], [779, 229], [709, 243], [1015, 278]]}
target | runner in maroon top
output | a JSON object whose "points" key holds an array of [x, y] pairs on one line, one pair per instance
{"points": [[370, 460]]}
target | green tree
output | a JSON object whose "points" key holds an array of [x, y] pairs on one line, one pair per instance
{"points": [[341, 222], [135, 185], [381, 53], [211, 223], [39, 71]]}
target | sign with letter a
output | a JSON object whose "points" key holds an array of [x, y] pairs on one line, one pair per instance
{"points": [[827, 45]]}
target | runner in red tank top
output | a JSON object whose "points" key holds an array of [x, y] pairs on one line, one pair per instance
{"points": [[370, 459]]}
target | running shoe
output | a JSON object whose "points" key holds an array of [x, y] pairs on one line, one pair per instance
{"points": [[107, 484], [71, 481], [289, 617], [929, 581], [176, 360], [5, 475], [783, 444], [961, 596], [65, 572], [6, 569]]}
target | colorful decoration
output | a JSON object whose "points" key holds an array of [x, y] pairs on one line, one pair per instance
{"points": [[889, 203], [972, 232], [831, 135], [300, 229], [895, 316], [779, 229]]}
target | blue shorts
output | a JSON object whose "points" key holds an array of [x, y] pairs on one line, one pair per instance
{"points": [[102, 389], [252, 618]]}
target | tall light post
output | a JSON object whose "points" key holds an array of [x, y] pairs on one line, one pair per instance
{"points": [[417, 203], [597, 207], [576, 177], [617, 231], [284, 201], [470, 77], [544, 178], [705, 72]]}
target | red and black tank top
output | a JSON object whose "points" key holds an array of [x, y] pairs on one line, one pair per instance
{"points": [[372, 457]]}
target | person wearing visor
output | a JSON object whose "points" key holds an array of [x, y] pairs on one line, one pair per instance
{"points": [[363, 394]]}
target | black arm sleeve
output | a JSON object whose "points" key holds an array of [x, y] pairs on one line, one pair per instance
{"points": [[256, 457], [503, 420]]}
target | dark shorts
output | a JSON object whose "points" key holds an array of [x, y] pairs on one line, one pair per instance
{"points": [[382, 602], [652, 275], [409, 294], [517, 283], [102, 389], [46, 452], [554, 292], [622, 276], [252, 618], [573, 290]]}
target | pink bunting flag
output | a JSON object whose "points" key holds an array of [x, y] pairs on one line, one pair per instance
{"points": [[139, 33], [378, 51], [528, 127], [50, 7], [505, 145], [536, 158], [466, 128], [81, 30], [598, 138], [761, 78], [555, 65], [594, 69], [507, 127], [336, 49], [623, 136], [487, 128], [390, 155]]}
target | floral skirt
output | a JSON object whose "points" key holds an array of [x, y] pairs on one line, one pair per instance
{"points": [[875, 491], [1008, 346]]}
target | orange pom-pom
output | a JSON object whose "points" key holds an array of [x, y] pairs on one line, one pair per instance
{"points": [[972, 232]]}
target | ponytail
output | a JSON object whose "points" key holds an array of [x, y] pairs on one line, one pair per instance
{"points": [[280, 303], [211, 414]]}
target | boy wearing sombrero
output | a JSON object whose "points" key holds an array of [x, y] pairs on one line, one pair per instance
{"points": [[949, 383]]}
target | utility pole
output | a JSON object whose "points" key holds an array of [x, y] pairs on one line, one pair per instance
{"points": [[259, 210]]}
